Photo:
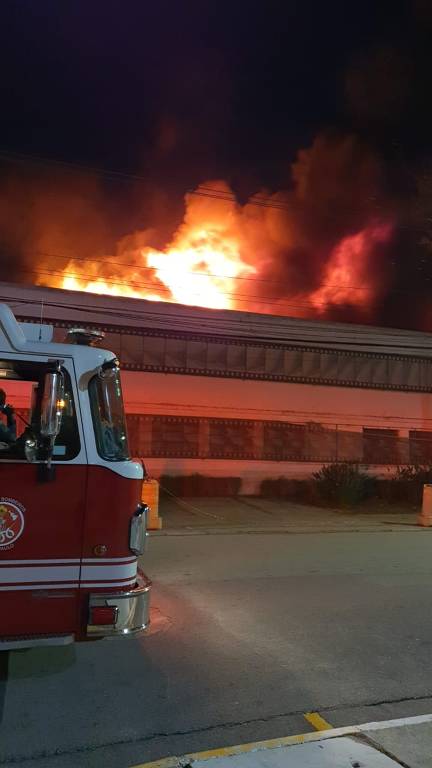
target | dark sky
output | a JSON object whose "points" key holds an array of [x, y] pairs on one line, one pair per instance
{"points": [[191, 89], [179, 92]]}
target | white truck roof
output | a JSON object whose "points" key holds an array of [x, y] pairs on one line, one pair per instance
{"points": [[36, 339]]}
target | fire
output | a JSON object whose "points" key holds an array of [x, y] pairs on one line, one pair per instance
{"points": [[199, 267], [196, 273], [225, 256]]}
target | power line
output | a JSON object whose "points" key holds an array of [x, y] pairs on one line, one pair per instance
{"points": [[403, 421], [186, 271], [183, 321], [120, 264], [36, 159], [242, 298], [131, 284], [207, 191], [258, 199], [253, 200], [207, 325]]}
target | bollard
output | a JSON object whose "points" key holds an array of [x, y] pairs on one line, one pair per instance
{"points": [[150, 496], [425, 516]]}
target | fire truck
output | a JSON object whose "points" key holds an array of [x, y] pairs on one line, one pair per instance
{"points": [[72, 525]]}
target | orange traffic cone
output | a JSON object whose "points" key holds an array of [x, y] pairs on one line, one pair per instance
{"points": [[425, 516]]}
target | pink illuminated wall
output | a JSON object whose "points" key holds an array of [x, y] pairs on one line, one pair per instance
{"points": [[235, 398], [349, 408]]}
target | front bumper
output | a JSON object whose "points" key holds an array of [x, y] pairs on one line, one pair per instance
{"points": [[133, 610]]}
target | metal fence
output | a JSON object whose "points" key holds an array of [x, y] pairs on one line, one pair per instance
{"points": [[160, 436], [193, 437]]}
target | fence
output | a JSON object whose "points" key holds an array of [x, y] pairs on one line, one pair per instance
{"points": [[240, 439], [193, 437]]}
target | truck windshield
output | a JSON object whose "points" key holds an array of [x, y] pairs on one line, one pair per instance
{"points": [[21, 391], [106, 402]]}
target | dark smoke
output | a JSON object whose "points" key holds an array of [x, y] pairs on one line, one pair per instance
{"points": [[369, 173]]}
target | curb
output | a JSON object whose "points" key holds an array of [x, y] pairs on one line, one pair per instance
{"points": [[287, 741]]}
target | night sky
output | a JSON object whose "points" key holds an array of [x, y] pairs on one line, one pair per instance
{"points": [[180, 92]]}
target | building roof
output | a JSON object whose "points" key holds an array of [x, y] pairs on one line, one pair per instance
{"points": [[140, 316]]}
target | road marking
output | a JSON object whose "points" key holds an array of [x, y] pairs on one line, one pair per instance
{"points": [[287, 741], [317, 722]]}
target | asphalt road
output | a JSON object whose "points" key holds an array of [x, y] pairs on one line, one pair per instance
{"points": [[250, 631]]}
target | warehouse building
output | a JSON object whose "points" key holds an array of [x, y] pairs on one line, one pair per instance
{"points": [[255, 397]]}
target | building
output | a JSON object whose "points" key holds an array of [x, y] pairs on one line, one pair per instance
{"points": [[235, 394]]}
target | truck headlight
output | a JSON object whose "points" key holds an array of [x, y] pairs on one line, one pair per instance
{"points": [[138, 530]]}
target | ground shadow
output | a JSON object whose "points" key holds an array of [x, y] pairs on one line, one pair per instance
{"points": [[4, 672]]}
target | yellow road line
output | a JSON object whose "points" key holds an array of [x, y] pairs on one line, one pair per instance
{"points": [[286, 741], [331, 733], [165, 762], [317, 722]]}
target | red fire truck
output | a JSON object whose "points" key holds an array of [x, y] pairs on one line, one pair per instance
{"points": [[71, 522]]}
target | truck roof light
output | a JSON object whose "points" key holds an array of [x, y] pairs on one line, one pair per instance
{"points": [[84, 336]]}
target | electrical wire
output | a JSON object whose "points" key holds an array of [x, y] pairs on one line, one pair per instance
{"points": [[251, 299], [252, 414], [120, 264], [254, 200], [189, 507], [77, 167], [315, 335], [258, 199], [243, 298]]}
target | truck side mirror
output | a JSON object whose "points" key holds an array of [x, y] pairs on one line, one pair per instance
{"points": [[31, 449], [52, 405]]}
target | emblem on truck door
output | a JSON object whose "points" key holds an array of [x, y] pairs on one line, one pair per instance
{"points": [[11, 522]]}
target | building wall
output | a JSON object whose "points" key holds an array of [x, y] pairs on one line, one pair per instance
{"points": [[257, 430], [245, 398], [233, 394]]}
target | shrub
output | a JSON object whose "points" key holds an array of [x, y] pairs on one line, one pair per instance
{"points": [[343, 483], [302, 491], [407, 484], [200, 485]]}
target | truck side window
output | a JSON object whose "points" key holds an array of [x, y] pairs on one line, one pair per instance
{"points": [[20, 393], [106, 402]]}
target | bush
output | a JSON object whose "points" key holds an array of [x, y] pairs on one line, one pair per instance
{"points": [[302, 491], [407, 484], [343, 484], [200, 485]]}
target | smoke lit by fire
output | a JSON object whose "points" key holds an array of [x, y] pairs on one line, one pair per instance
{"points": [[306, 251], [347, 276], [208, 263]]}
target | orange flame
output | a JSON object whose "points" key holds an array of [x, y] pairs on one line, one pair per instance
{"points": [[219, 255], [199, 267]]}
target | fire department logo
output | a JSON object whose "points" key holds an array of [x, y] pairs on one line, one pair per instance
{"points": [[11, 522]]}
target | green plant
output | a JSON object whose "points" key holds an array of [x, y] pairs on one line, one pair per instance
{"points": [[200, 485], [414, 473], [343, 483], [408, 481], [302, 491]]}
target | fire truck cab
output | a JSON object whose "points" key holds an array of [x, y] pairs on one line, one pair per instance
{"points": [[71, 521]]}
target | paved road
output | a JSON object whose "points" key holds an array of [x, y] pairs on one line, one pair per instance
{"points": [[250, 631]]}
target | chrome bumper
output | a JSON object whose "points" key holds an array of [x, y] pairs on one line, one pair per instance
{"points": [[133, 610]]}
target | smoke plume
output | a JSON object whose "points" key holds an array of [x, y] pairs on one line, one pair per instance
{"points": [[320, 247]]}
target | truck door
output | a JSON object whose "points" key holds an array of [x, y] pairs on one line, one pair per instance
{"points": [[41, 518]]}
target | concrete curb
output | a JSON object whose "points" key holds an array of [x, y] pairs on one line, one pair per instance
{"points": [[287, 741]]}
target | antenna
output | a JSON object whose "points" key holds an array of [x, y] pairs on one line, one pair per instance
{"points": [[41, 320]]}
